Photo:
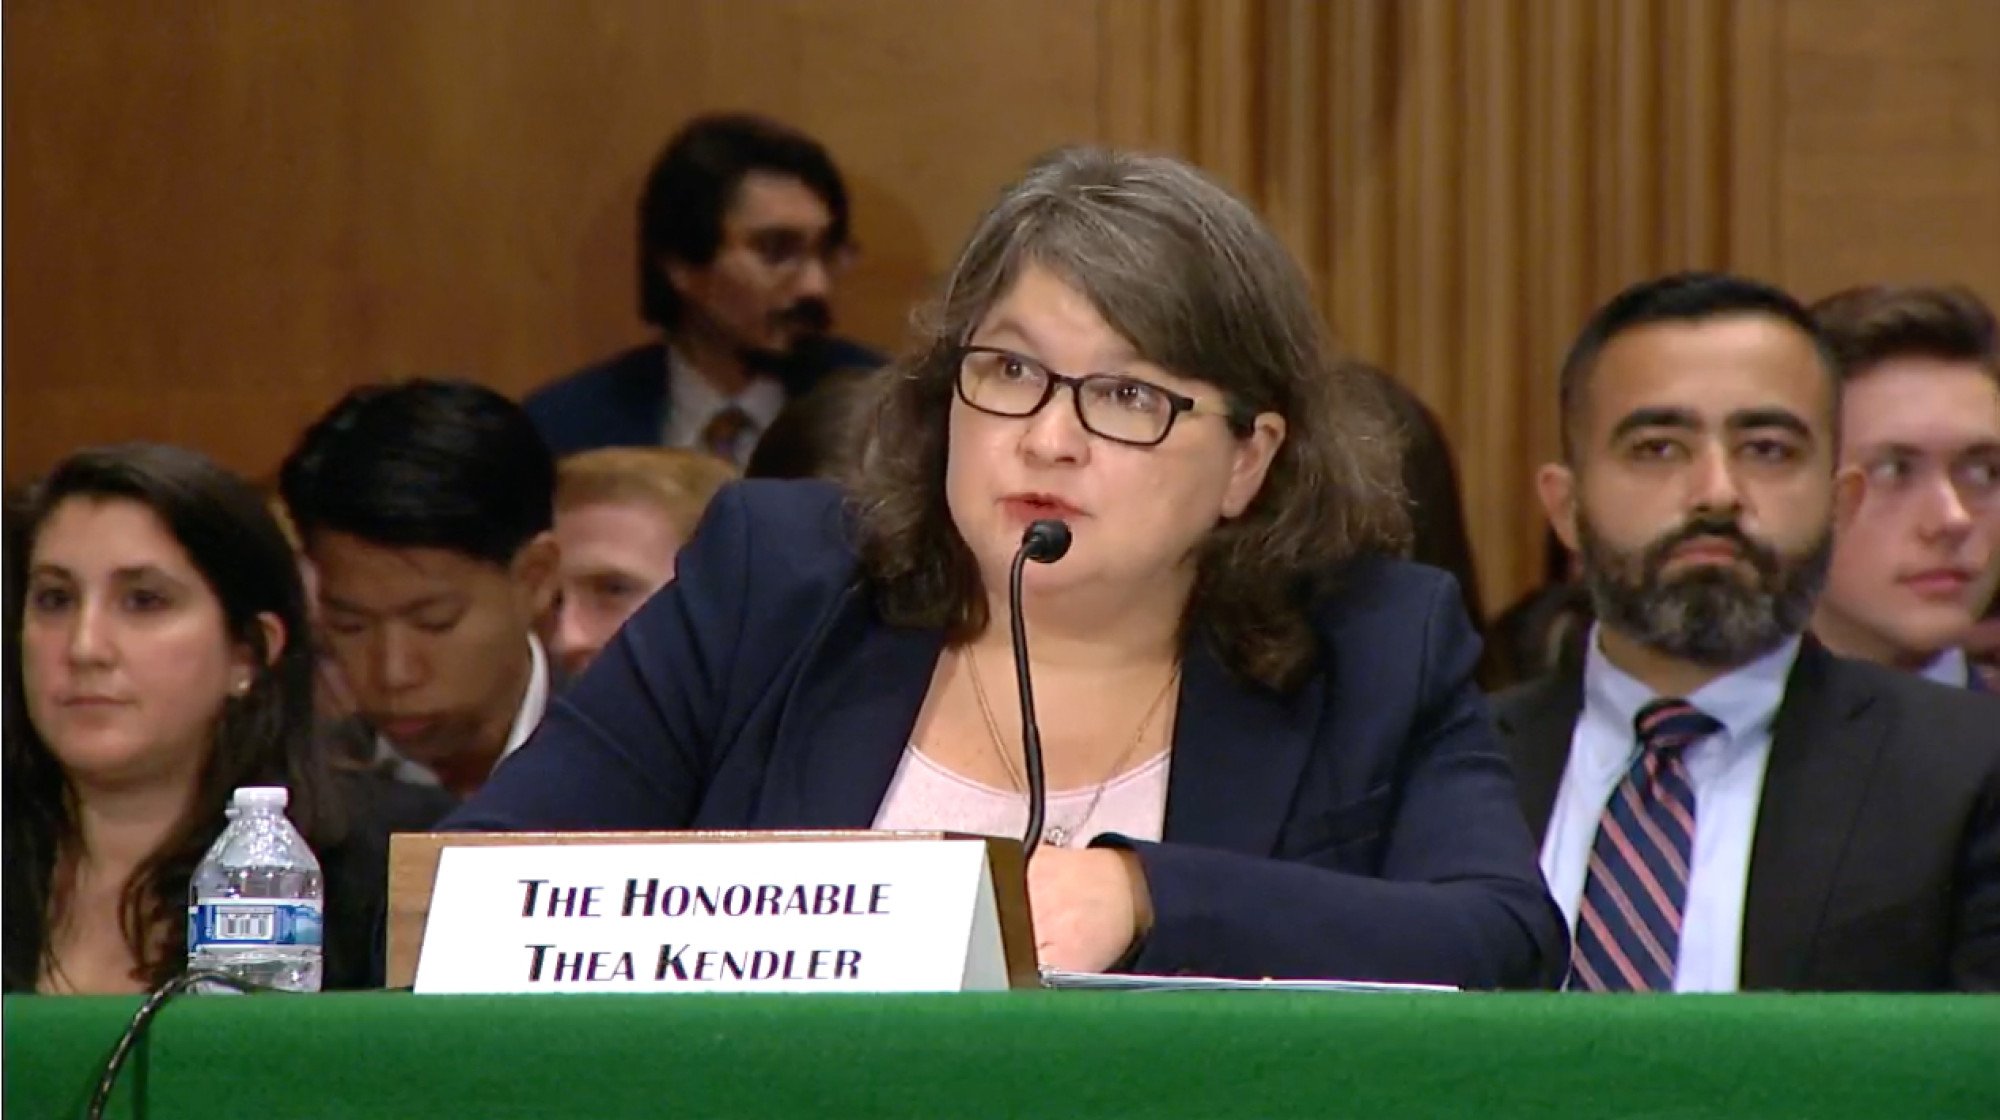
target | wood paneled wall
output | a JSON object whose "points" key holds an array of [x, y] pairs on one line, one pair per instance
{"points": [[1887, 143], [218, 216], [221, 214]]}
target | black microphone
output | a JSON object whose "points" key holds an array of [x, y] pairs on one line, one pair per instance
{"points": [[1045, 542]]}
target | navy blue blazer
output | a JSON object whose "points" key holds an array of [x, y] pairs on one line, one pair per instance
{"points": [[1366, 826], [622, 401]]}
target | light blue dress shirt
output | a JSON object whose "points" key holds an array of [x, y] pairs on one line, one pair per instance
{"points": [[1952, 668], [1727, 772]]}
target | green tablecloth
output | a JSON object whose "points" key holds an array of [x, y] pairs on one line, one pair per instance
{"points": [[1058, 1054]]}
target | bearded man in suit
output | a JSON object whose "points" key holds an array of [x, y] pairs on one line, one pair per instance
{"points": [[1721, 803]]}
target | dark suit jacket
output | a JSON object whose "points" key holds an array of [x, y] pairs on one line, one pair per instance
{"points": [[1364, 827], [356, 871], [622, 401], [1876, 863]]}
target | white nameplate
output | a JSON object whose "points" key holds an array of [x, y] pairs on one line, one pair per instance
{"points": [[870, 916]]}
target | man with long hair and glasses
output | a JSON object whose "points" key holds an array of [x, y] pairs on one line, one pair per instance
{"points": [[743, 233]]}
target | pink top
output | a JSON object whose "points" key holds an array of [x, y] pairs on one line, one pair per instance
{"points": [[925, 796]]}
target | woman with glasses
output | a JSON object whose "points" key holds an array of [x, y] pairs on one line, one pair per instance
{"points": [[1265, 752]]}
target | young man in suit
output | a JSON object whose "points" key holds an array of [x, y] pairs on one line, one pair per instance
{"points": [[424, 509], [742, 235], [1920, 427], [1721, 803], [622, 515]]}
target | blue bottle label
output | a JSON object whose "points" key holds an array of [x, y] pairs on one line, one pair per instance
{"points": [[253, 921]]}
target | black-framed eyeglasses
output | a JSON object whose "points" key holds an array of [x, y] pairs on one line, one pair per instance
{"points": [[786, 250], [1122, 409]]}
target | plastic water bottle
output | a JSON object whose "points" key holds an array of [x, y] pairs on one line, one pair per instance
{"points": [[256, 903]]}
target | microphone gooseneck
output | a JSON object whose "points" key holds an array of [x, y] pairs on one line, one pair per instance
{"points": [[1045, 542]]}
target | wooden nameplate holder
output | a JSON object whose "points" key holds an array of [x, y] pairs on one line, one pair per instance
{"points": [[708, 911]]}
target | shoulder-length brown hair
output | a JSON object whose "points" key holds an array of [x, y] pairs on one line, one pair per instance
{"points": [[263, 737], [1187, 274]]}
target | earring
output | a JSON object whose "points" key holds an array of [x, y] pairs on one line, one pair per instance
{"points": [[241, 688]]}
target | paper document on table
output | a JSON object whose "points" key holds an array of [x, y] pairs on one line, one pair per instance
{"points": [[1105, 981]]}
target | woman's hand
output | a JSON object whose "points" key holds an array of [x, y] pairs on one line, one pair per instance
{"points": [[1089, 906]]}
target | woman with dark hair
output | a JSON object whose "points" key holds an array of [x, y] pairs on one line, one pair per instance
{"points": [[159, 658], [1544, 629], [1265, 750], [821, 434]]}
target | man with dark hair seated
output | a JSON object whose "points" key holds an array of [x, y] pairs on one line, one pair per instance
{"points": [[742, 234], [1722, 803], [425, 509]]}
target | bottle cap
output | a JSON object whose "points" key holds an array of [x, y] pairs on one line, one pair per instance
{"points": [[261, 797]]}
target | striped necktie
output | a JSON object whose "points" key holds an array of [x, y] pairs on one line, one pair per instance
{"points": [[724, 431], [1628, 930]]}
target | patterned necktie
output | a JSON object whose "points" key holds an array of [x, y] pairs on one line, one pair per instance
{"points": [[1628, 930], [723, 431]]}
